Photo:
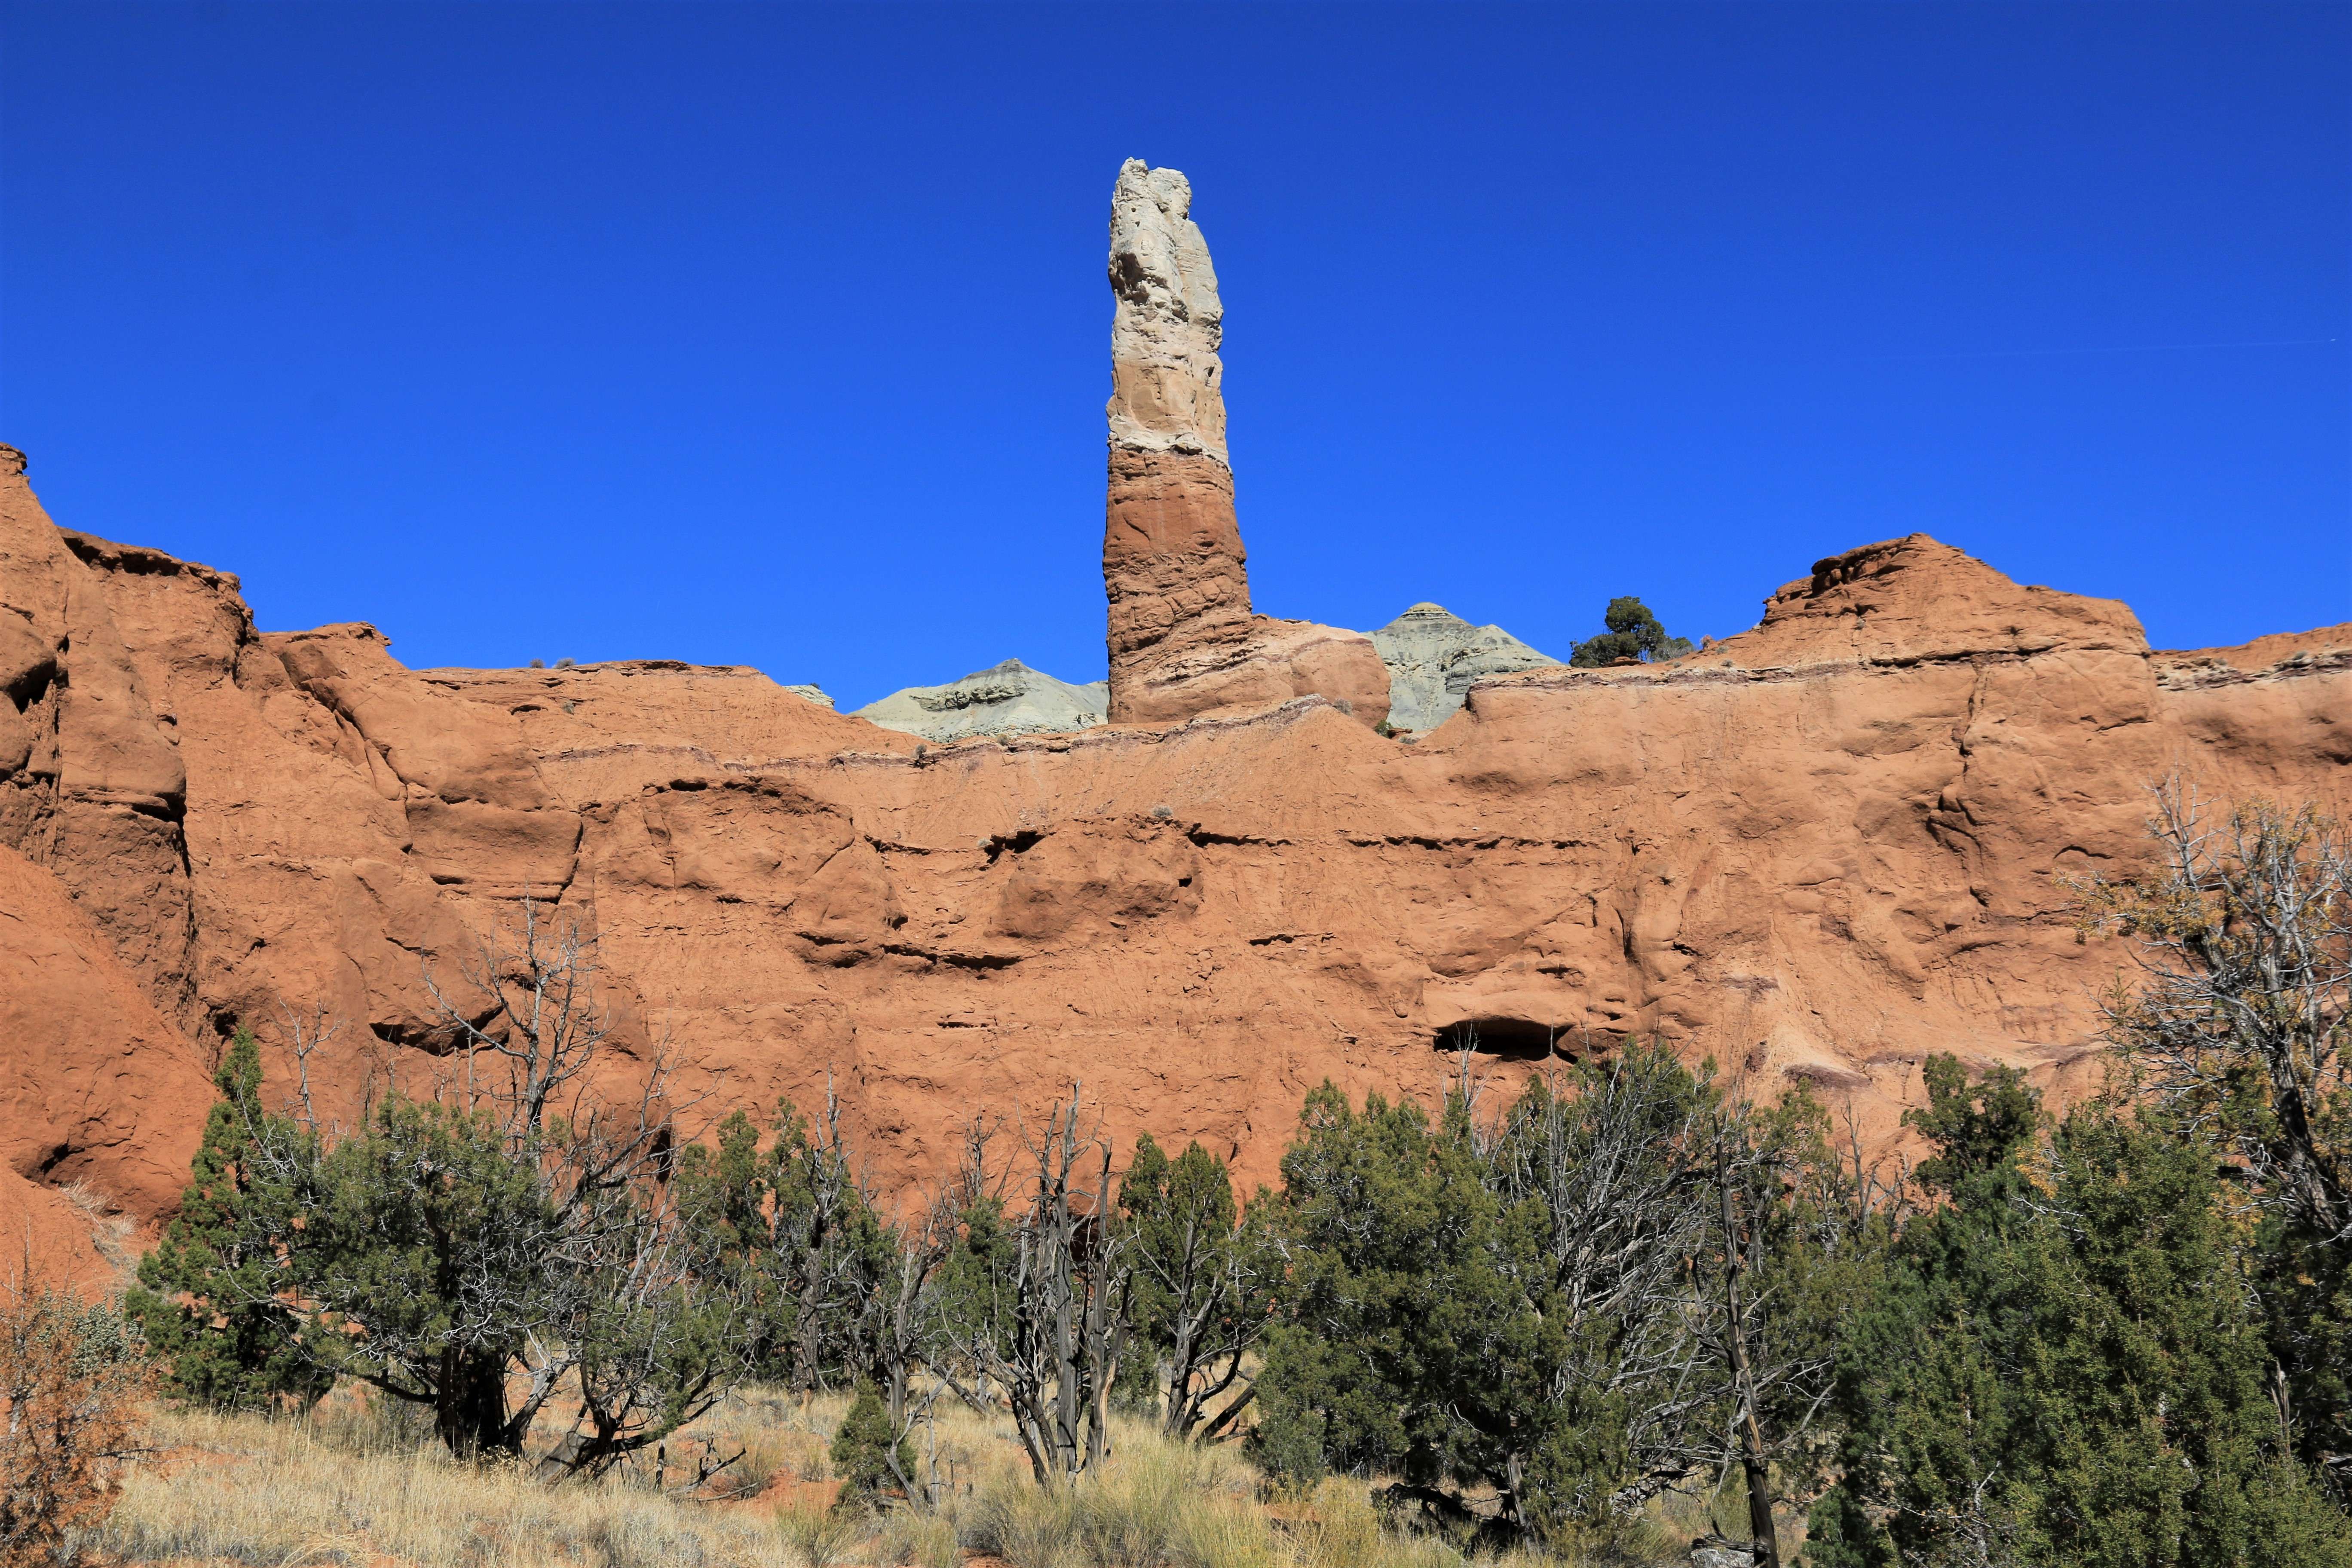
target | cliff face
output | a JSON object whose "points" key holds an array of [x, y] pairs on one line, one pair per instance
{"points": [[1820, 850], [1816, 851]]}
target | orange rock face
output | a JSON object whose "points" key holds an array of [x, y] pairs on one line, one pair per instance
{"points": [[1817, 851], [1182, 640]]}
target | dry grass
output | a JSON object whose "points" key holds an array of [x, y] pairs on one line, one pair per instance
{"points": [[361, 1485], [1159, 1505], [246, 1489]]}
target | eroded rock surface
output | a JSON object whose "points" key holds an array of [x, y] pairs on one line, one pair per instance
{"points": [[1434, 657], [1184, 640], [815, 694], [1816, 851], [1008, 698]]}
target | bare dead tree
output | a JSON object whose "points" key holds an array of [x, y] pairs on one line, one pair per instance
{"points": [[899, 1329], [1738, 1239], [1779, 1190], [820, 1200], [1667, 1196], [307, 1034], [2242, 1022], [1050, 1333], [529, 1026], [1972, 1534], [2239, 1031], [1621, 1163]]}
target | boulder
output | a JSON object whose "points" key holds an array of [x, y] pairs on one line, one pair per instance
{"points": [[815, 693]]}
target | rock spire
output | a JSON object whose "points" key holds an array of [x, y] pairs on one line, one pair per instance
{"points": [[1183, 641]]}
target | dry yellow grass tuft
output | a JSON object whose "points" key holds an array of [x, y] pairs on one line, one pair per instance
{"points": [[247, 1489], [361, 1484]]}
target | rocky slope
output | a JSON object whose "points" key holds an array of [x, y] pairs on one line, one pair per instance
{"points": [[1432, 657], [1008, 698]]}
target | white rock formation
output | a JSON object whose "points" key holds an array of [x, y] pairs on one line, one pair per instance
{"points": [[1433, 656], [815, 693], [1166, 378], [1010, 700]]}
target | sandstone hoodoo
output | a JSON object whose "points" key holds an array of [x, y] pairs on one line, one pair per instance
{"points": [[1184, 640]]}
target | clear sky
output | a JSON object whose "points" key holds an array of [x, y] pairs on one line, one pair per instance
{"points": [[756, 334]]}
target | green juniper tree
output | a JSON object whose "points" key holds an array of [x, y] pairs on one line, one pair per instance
{"points": [[792, 1235], [870, 1454], [1421, 1333], [1634, 633], [2064, 1363], [213, 1299], [1203, 1283], [1625, 1284], [513, 1235], [2240, 1032], [433, 1256]]}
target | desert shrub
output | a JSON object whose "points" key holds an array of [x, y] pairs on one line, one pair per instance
{"points": [[818, 1537], [919, 1541], [869, 1463], [1158, 1505], [71, 1376], [1341, 1529], [270, 1491], [361, 1421]]}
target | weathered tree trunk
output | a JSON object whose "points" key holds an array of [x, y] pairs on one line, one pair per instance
{"points": [[469, 1407], [1754, 1459]]}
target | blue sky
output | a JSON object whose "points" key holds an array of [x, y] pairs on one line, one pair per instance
{"points": [[779, 336]]}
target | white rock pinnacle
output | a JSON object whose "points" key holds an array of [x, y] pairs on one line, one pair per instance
{"points": [[1165, 374]]}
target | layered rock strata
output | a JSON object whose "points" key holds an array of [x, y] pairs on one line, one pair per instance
{"points": [[1434, 657], [1817, 851], [1008, 698], [1184, 640]]}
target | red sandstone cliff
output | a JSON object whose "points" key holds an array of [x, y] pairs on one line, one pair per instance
{"points": [[1819, 849]]}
